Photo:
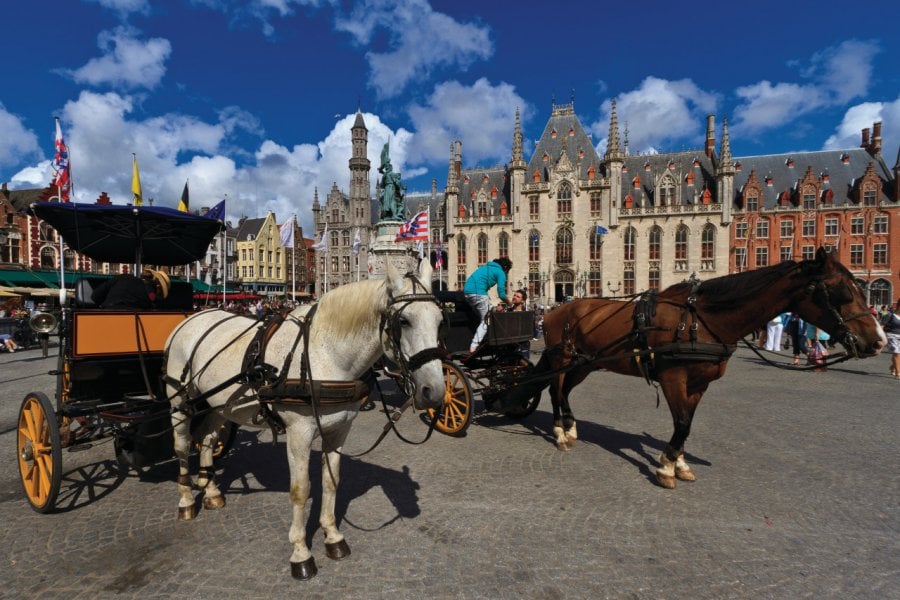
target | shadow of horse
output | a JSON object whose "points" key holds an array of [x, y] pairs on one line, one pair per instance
{"points": [[642, 450], [254, 466]]}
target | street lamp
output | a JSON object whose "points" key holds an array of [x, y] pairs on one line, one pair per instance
{"points": [[614, 290]]}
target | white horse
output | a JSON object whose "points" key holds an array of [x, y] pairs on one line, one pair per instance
{"points": [[351, 328]]}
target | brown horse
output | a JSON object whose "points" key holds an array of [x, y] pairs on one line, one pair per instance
{"points": [[683, 337]]}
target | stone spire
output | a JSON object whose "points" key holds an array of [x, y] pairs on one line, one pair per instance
{"points": [[452, 183], [613, 147], [518, 157], [726, 145]]}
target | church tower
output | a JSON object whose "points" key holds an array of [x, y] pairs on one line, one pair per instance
{"points": [[360, 205]]}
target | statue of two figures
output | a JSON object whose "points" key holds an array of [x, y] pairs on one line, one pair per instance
{"points": [[390, 199]]}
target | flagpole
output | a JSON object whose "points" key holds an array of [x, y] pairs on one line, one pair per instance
{"points": [[62, 262], [293, 261], [223, 270]]}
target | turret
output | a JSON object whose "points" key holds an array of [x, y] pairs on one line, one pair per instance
{"points": [[725, 176]]}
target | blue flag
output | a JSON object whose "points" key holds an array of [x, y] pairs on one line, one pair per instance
{"points": [[601, 230], [217, 212]]}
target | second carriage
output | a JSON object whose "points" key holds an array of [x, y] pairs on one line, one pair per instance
{"points": [[492, 372]]}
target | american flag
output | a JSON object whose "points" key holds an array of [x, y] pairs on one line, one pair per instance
{"points": [[62, 180], [414, 229]]}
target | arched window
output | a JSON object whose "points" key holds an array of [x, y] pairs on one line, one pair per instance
{"points": [[345, 237], [880, 293], [655, 242], [69, 258], [708, 242], [461, 250], [681, 244], [482, 248], [564, 200], [534, 246], [630, 235], [596, 241], [503, 244], [564, 239], [48, 258]]}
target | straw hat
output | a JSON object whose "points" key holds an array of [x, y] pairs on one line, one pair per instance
{"points": [[161, 278]]}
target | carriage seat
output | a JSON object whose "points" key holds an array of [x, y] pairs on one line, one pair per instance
{"points": [[84, 289]]}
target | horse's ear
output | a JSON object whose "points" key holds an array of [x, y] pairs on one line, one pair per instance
{"points": [[425, 273], [821, 255], [394, 279]]}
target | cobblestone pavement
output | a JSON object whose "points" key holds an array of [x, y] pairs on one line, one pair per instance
{"points": [[797, 497]]}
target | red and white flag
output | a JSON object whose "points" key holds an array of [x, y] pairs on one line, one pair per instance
{"points": [[414, 229], [62, 179]]}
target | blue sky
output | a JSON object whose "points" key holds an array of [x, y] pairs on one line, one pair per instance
{"points": [[255, 99]]}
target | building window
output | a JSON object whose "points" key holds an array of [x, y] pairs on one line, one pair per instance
{"points": [[655, 242], [534, 208], [787, 228], [831, 226], [667, 192], [809, 199], [857, 225], [787, 253], [762, 229], [870, 196], [628, 281], [534, 285], [653, 281], [564, 246], [564, 201], [596, 204], [503, 244], [482, 248], [461, 250], [630, 234], [250, 251], [740, 258], [596, 242], [482, 207], [762, 256], [345, 264], [681, 243], [345, 238], [809, 228], [880, 224], [460, 280], [880, 254], [708, 243], [595, 283], [740, 230], [807, 252], [857, 255], [751, 203], [534, 246]]}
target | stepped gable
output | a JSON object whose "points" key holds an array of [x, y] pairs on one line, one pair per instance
{"points": [[693, 172], [843, 168], [563, 134]]}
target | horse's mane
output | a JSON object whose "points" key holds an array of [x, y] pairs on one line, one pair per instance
{"points": [[728, 291], [351, 308]]}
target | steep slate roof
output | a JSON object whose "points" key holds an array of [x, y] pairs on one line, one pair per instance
{"points": [[694, 162], [474, 181], [570, 138], [22, 199], [841, 175], [250, 226]]}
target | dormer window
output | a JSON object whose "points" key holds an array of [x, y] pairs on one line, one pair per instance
{"points": [[789, 163], [845, 158], [647, 166], [572, 132], [738, 167], [553, 133]]}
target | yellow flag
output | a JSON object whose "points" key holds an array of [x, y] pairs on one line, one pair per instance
{"points": [[184, 205], [136, 184]]}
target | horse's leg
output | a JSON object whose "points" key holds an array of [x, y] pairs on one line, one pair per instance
{"points": [[181, 430], [212, 495], [336, 547], [682, 405], [568, 427], [299, 441]]}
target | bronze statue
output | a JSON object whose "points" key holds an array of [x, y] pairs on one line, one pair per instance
{"points": [[390, 199]]}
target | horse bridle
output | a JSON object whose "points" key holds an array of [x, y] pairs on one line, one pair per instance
{"points": [[391, 328], [848, 339]]}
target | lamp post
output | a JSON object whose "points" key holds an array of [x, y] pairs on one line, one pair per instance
{"points": [[614, 290]]}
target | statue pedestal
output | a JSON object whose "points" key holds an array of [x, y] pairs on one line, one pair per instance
{"points": [[384, 249]]}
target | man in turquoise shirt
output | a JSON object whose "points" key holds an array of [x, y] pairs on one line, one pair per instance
{"points": [[476, 290]]}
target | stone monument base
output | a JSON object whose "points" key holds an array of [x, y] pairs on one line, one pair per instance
{"points": [[384, 249]]}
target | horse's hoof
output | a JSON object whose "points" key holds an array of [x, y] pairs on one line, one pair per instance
{"points": [[685, 475], [667, 481], [187, 513], [337, 550], [304, 571], [562, 446], [214, 502]]}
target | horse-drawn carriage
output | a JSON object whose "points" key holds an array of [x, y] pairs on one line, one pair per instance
{"points": [[492, 371], [109, 359]]}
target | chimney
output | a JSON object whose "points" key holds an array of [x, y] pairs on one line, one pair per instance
{"points": [[710, 135], [876, 139], [865, 138]]}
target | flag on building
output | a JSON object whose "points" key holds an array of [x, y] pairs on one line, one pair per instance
{"points": [[414, 229], [61, 172], [184, 205], [138, 199], [217, 212], [322, 244], [356, 243], [601, 230], [287, 233]]}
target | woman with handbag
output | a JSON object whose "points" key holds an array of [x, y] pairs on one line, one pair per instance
{"points": [[816, 340]]}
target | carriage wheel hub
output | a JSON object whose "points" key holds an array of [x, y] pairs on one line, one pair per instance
{"points": [[27, 453]]}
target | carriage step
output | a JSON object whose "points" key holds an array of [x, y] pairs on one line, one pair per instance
{"points": [[80, 447]]}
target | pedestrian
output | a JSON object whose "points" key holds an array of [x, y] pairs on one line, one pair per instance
{"points": [[774, 329], [7, 343], [891, 324], [816, 340], [488, 275], [796, 330]]}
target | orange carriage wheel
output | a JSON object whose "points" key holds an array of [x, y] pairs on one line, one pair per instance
{"points": [[456, 415], [39, 451]]}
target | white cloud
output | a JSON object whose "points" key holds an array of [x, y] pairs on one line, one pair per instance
{"points": [[657, 114], [849, 133], [482, 116], [17, 142], [125, 7], [838, 73], [127, 62], [420, 41]]}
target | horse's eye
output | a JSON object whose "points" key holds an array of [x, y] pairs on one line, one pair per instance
{"points": [[404, 322]]}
